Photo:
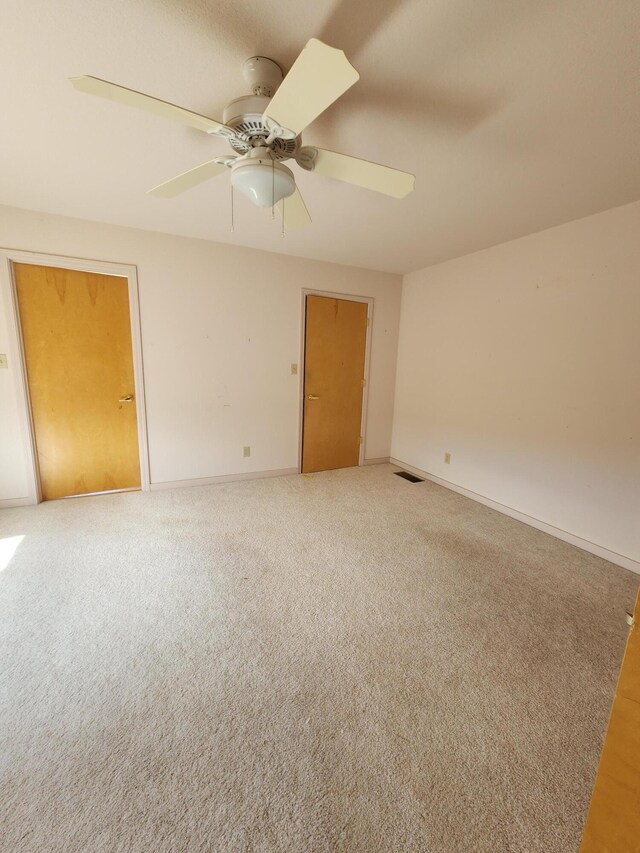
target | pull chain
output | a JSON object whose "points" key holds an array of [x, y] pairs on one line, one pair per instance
{"points": [[273, 189], [282, 232], [231, 185]]}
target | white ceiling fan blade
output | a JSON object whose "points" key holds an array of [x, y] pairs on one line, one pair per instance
{"points": [[317, 78], [121, 95], [183, 182], [353, 170], [294, 211]]}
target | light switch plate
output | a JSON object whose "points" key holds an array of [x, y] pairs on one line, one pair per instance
{"points": [[447, 458], [246, 451], [3, 360], [294, 369]]}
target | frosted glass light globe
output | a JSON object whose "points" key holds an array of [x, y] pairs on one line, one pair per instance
{"points": [[265, 182]]}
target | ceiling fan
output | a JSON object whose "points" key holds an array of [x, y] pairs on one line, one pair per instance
{"points": [[264, 128]]}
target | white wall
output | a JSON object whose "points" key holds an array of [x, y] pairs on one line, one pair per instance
{"points": [[220, 329], [523, 362]]}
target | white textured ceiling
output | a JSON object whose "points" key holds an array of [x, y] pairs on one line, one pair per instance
{"points": [[515, 115]]}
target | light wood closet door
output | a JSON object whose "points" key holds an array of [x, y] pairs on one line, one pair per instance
{"points": [[335, 345], [613, 822], [77, 341]]}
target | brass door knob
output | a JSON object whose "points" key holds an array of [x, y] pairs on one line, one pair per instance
{"points": [[312, 397], [127, 399]]}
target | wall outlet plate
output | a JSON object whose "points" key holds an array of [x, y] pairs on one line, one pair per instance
{"points": [[246, 451], [447, 458], [3, 360], [294, 369]]}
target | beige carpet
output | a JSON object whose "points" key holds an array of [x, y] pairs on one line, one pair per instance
{"points": [[341, 662]]}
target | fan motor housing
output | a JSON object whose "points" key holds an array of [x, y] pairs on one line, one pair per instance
{"points": [[244, 115]]}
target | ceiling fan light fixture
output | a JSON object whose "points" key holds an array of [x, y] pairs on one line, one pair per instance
{"points": [[264, 128], [264, 181]]}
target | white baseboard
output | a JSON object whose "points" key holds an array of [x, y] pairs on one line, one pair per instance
{"points": [[591, 547], [223, 478], [203, 481], [6, 503]]}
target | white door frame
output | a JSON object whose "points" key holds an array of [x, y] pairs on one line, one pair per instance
{"points": [[367, 358], [9, 257]]}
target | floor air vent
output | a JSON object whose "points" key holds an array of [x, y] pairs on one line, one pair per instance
{"points": [[410, 477]]}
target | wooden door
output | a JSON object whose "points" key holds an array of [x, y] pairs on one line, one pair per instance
{"points": [[335, 344], [77, 341], [613, 822]]}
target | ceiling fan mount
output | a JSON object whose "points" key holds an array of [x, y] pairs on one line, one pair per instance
{"points": [[265, 127], [263, 75]]}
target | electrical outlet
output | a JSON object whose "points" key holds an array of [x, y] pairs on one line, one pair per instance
{"points": [[294, 369], [246, 451], [3, 360], [447, 458]]}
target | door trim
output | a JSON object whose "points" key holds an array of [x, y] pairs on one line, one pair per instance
{"points": [[367, 358], [9, 257]]}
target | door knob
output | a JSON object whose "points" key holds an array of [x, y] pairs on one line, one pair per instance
{"points": [[312, 397], [127, 399]]}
